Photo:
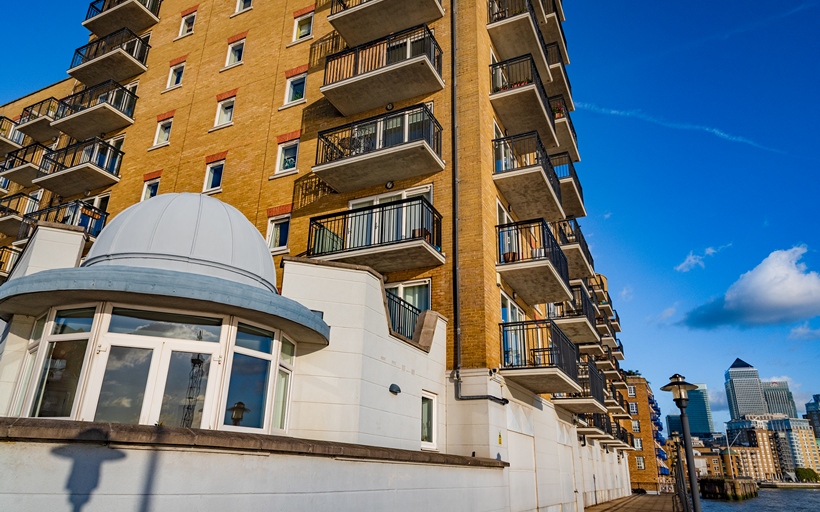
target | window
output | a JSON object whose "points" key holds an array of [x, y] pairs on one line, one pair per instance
{"points": [[213, 176], [28, 365], [428, 421], [224, 112], [630, 390], [235, 53], [636, 425], [633, 408], [295, 89], [243, 5], [187, 26], [303, 27], [417, 293], [287, 356], [163, 134], [99, 202], [278, 228], [288, 155], [639, 462], [175, 75], [638, 443], [150, 189]]}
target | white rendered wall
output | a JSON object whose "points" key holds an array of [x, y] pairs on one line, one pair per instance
{"points": [[50, 248]]}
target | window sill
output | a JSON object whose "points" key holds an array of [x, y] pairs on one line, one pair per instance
{"points": [[184, 36], [173, 87], [219, 127], [279, 250], [282, 174], [234, 15], [231, 66], [160, 145], [212, 191], [294, 43], [293, 104]]}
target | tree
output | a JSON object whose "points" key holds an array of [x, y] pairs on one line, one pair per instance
{"points": [[806, 475], [633, 373]]}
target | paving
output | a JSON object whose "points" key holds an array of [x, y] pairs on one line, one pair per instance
{"points": [[637, 503]]}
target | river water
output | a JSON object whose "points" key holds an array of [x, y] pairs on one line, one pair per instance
{"points": [[770, 500]]}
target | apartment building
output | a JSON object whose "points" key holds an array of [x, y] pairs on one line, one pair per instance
{"points": [[648, 468], [430, 142]]}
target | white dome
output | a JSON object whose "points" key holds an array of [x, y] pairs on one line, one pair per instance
{"points": [[190, 233]]}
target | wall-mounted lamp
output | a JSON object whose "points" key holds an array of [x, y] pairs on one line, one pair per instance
{"points": [[389, 107], [388, 185], [394, 388]]}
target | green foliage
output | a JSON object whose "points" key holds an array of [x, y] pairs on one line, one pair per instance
{"points": [[806, 475], [633, 373]]}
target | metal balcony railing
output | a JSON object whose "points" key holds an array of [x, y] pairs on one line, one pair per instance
{"points": [[537, 344], [580, 306], [519, 72], [530, 240], [569, 232], [555, 57], [73, 213], [95, 151], [338, 6], [602, 320], [377, 133], [18, 204], [45, 108], [100, 6], [618, 397], [615, 317], [124, 39], [403, 315], [599, 421], [525, 150], [564, 168], [382, 53], [550, 7], [31, 154], [560, 111], [620, 347], [373, 226], [591, 381], [109, 92], [8, 257], [499, 10], [8, 131]]}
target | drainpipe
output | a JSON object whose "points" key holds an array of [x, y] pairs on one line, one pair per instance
{"points": [[456, 269]]}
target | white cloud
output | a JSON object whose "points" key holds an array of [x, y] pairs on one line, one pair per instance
{"points": [[668, 313], [804, 332], [607, 215], [627, 293], [696, 260], [779, 290]]}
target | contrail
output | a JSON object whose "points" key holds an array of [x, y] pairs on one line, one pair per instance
{"points": [[637, 114]]}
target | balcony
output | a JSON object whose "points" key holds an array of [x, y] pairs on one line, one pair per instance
{"points": [[572, 194], [616, 404], [21, 166], [393, 147], [520, 101], [524, 175], [606, 331], [616, 321], [567, 138], [118, 56], [35, 121], [80, 168], [106, 16], [531, 261], [392, 69], [551, 26], [73, 213], [601, 289], [618, 351], [539, 357], [591, 397], [560, 84], [572, 241], [12, 210], [605, 362], [513, 27], [97, 110], [612, 370], [620, 381], [576, 317], [596, 426], [403, 315], [401, 235], [360, 21], [4, 186], [620, 440], [8, 257], [10, 138]]}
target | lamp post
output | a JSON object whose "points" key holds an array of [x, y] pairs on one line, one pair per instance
{"points": [[680, 394]]}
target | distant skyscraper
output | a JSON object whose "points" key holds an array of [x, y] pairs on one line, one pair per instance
{"points": [[673, 423], [700, 413], [744, 392], [813, 414], [779, 399]]}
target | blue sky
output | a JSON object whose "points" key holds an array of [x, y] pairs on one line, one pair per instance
{"points": [[697, 129]]}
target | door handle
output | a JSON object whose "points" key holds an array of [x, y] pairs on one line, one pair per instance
{"points": [[101, 348]]}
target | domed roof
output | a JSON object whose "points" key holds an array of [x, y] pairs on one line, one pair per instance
{"points": [[191, 233]]}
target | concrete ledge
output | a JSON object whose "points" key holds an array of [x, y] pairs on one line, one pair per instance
{"points": [[57, 431]]}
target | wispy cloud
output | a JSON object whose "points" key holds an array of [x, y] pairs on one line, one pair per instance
{"points": [[717, 400], [804, 332], [607, 215], [664, 317], [638, 114], [627, 293], [697, 260]]}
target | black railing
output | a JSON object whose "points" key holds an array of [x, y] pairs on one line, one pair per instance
{"points": [[519, 72], [123, 39], [377, 133], [109, 92], [537, 344], [74, 213], [599, 421], [95, 151], [31, 154], [559, 109], [46, 108], [615, 317], [619, 348], [18, 204], [550, 7], [579, 307], [403, 315], [569, 232], [384, 52], [564, 168], [525, 150], [373, 226], [554, 58], [530, 240], [8, 257], [499, 10], [602, 320], [100, 6], [8, 131], [617, 397], [338, 6], [591, 381]]}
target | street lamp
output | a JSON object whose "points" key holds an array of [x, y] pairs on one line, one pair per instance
{"points": [[238, 412], [680, 394]]}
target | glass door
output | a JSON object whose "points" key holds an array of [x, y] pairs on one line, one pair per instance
{"points": [[513, 339]]}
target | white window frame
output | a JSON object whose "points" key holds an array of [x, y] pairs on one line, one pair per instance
{"points": [[296, 27], [182, 32], [630, 391], [640, 462], [637, 443], [633, 408], [96, 200], [26, 372], [401, 285], [280, 158], [636, 426], [289, 85], [290, 369], [171, 71], [404, 193], [145, 188], [170, 123], [212, 190], [239, 8], [425, 445], [219, 106], [278, 219], [231, 46]]}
